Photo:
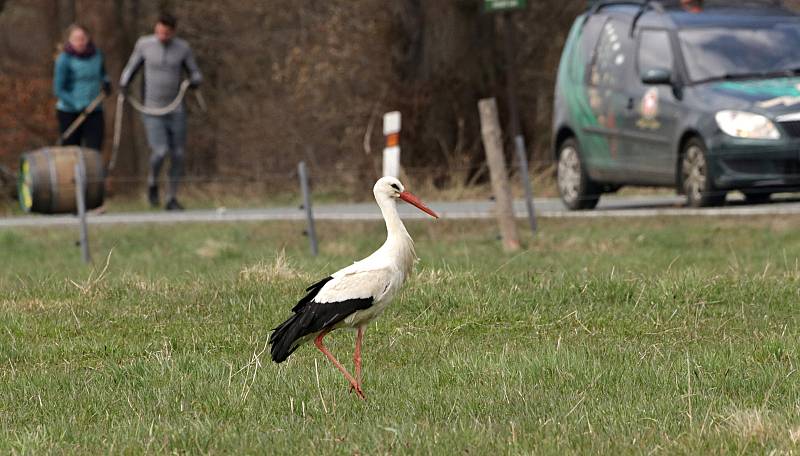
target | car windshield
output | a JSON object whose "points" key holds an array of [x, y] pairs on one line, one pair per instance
{"points": [[733, 53]]}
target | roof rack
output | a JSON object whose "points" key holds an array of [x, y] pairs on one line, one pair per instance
{"points": [[643, 5], [598, 4]]}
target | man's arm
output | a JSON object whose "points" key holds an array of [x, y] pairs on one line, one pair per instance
{"points": [[134, 63], [195, 77]]}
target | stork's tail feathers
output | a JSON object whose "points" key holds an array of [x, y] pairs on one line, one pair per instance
{"points": [[285, 339], [309, 319]]}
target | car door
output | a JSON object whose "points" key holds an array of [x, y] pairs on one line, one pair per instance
{"points": [[610, 71], [652, 109]]}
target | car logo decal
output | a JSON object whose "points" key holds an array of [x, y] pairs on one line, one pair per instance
{"points": [[649, 110]]}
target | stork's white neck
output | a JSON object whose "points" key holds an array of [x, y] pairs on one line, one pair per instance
{"points": [[394, 225], [399, 244]]}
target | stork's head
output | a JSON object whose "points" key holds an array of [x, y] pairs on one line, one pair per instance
{"points": [[390, 187]]}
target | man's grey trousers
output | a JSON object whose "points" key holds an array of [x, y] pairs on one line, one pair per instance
{"points": [[167, 136]]}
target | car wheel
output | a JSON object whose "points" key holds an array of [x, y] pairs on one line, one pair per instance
{"points": [[576, 189], [756, 197], [695, 178]]}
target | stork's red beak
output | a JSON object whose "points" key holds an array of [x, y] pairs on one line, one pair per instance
{"points": [[411, 199]]}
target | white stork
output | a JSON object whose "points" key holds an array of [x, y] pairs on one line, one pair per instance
{"points": [[354, 296]]}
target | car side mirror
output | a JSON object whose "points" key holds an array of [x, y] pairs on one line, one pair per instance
{"points": [[657, 76]]}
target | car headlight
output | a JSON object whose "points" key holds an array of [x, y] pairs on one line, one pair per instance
{"points": [[746, 125]]}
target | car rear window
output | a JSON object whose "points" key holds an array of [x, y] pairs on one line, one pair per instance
{"points": [[589, 35], [612, 61]]}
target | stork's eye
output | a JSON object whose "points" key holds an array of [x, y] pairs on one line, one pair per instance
{"points": [[394, 186]]}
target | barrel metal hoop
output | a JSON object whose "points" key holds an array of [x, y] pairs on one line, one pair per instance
{"points": [[51, 164]]}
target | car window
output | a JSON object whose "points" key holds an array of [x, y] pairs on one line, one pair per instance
{"points": [[655, 50], [612, 61], [741, 52]]}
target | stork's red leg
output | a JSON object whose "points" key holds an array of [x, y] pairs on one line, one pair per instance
{"points": [[357, 354], [318, 343]]}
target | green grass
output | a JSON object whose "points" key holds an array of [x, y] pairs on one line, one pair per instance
{"points": [[674, 335]]}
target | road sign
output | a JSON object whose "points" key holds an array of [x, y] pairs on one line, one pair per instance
{"points": [[491, 6]]}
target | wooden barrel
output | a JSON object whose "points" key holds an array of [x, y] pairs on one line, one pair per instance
{"points": [[47, 179]]}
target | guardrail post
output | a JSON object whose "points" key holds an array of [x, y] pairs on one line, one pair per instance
{"points": [[516, 131], [80, 189], [311, 230], [522, 161]]}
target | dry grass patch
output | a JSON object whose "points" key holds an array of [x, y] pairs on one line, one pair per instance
{"points": [[338, 248], [760, 426], [160, 287], [749, 424], [30, 305], [432, 276], [279, 269], [212, 248]]}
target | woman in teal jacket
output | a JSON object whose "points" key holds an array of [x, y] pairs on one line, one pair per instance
{"points": [[80, 75]]}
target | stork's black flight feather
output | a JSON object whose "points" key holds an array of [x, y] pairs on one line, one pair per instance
{"points": [[311, 317]]}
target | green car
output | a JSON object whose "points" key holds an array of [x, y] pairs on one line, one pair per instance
{"points": [[699, 96]]}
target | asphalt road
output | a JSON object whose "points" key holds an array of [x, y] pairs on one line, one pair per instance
{"points": [[610, 206]]}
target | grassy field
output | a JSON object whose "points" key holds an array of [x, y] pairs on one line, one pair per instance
{"points": [[674, 335]]}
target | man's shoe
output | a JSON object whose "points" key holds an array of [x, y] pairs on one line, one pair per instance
{"points": [[174, 205], [152, 195]]}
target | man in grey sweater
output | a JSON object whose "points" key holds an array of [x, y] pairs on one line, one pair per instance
{"points": [[164, 57]]}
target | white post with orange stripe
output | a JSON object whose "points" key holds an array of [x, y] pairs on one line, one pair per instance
{"points": [[391, 153]]}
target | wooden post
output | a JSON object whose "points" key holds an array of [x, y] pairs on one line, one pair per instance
{"points": [[80, 186], [311, 231], [493, 146]]}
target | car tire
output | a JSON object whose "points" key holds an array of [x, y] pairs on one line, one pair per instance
{"points": [[576, 189], [756, 197], [695, 179]]}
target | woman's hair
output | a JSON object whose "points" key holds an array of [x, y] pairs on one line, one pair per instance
{"points": [[76, 26], [72, 27]]}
